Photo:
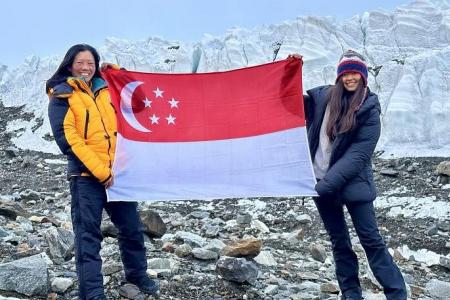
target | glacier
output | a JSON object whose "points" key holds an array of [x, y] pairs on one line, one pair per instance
{"points": [[408, 51]]}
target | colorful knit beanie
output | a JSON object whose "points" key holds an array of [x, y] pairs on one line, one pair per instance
{"points": [[352, 61]]}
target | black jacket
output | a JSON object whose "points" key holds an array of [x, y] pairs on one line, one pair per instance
{"points": [[349, 176]]}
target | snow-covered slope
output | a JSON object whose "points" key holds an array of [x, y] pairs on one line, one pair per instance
{"points": [[408, 51]]}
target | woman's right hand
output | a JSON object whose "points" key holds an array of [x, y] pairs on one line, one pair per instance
{"points": [[106, 65]]}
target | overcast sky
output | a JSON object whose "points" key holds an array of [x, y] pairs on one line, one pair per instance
{"points": [[48, 27]]}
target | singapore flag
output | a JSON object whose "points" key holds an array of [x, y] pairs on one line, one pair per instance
{"points": [[232, 134]]}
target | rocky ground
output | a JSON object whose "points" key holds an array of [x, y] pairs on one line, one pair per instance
{"points": [[227, 249]]}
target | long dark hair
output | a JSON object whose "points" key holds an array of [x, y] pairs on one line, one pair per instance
{"points": [[64, 71], [343, 113]]}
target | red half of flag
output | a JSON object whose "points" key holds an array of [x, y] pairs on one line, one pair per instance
{"points": [[240, 103]]}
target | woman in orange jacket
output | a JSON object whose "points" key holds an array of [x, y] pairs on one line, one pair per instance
{"points": [[83, 122]]}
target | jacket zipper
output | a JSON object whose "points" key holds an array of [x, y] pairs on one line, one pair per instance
{"points": [[101, 118], [115, 111], [86, 124], [104, 128]]}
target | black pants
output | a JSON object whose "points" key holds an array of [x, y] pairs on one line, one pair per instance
{"points": [[88, 201], [380, 261]]}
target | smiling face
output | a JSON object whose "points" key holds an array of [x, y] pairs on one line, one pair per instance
{"points": [[83, 65], [351, 81]]}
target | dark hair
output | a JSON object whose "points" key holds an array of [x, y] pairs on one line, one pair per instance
{"points": [[343, 113], [63, 70]]}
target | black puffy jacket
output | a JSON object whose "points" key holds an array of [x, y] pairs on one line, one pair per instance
{"points": [[349, 176]]}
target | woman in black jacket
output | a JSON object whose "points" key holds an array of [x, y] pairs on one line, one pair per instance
{"points": [[343, 122]]}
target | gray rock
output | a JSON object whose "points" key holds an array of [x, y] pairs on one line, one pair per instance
{"points": [[411, 168], [432, 230], [444, 226], [11, 210], [3, 233], [445, 262], [9, 298], [60, 242], [294, 237], [25, 224], [309, 286], [260, 226], [265, 258], [215, 245], [161, 266], [211, 230], [27, 276], [318, 252], [304, 219], [389, 172], [61, 284], [130, 291], [329, 287], [204, 254], [183, 250], [26, 162], [271, 289], [168, 237], [443, 179], [443, 168], [199, 214], [303, 296], [409, 279], [308, 276], [12, 239], [191, 238], [237, 269], [28, 195], [379, 296], [437, 289], [153, 224], [244, 219], [11, 152], [108, 269]]}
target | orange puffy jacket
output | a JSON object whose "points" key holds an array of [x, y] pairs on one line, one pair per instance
{"points": [[84, 125]]}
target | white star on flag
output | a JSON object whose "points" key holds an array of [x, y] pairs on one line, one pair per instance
{"points": [[173, 103], [170, 119], [158, 92], [154, 119], [147, 102]]}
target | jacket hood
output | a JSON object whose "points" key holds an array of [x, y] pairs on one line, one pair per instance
{"points": [[62, 90], [66, 88]]}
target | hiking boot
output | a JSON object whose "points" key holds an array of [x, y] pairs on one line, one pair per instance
{"points": [[352, 296], [146, 285]]}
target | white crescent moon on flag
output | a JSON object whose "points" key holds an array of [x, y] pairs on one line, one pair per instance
{"points": [[126, 108]]}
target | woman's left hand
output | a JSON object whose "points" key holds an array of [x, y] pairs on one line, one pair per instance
{"points": [[295, 55], [109, 183]]}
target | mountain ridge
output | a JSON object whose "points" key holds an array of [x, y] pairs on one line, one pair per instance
{"points": [[408, 51]]}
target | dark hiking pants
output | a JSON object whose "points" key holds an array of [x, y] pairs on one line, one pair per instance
{"points": [[380, 261], [88, 202]]}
